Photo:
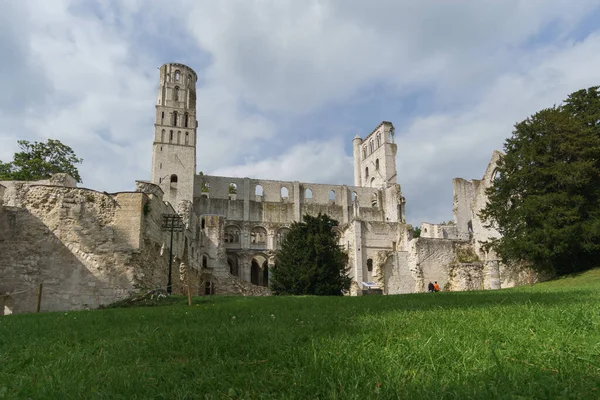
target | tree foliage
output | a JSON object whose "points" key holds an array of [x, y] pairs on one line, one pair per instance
{"points": [[39, 160], [310, 261], [545, 200]]}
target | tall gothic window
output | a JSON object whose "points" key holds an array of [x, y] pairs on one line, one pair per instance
{"points": [[176, 93]]}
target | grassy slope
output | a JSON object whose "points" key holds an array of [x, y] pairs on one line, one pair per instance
{"points": [[531, 342]]}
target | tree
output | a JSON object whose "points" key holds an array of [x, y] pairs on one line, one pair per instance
{"points": [[40, 160], [310, 261], [417, 232], [545, 199]]}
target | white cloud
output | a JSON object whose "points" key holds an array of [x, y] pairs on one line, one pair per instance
{"points": [[84, 72]]}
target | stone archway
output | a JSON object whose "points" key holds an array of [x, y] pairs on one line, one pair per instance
{"points": [[254, 272], [259, 270]]}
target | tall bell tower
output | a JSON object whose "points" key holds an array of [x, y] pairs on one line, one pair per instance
{"points": [[174, 147]]}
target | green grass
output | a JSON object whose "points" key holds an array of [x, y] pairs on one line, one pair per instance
{"points": [[530, 342]]}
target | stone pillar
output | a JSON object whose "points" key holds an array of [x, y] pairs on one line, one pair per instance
{"points": [[358, 253], [246, 194], [356, 153], [345, 195], [297, 205]]}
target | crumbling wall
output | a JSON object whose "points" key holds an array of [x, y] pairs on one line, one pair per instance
{"points": [[87, 248]]}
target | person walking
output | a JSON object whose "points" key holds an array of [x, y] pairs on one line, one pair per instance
{"points": [[430, 287], [436, 287]]}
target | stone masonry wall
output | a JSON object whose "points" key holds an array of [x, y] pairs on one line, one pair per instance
{"points": [[87, 248]]}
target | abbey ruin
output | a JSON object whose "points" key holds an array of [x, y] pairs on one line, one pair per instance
{"points": [[91, 248]]}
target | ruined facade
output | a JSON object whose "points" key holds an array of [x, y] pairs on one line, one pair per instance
{"points": [[90, 248]]}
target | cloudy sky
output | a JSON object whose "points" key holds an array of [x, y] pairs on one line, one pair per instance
{"points": [[284, 85]]}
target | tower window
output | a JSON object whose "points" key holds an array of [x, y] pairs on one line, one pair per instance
{"points": [[186, 120], [364, 152], [177, 75], [170, 136], [175, 118], [176, 93], [187, 138], [332, 195], [370, 264], [162, 136], [284, 192], [371, 146], [378, 139], [160, 166], [308, 194], [377, 164], [190, 79], [367, 172], [162, 117], [174, 181]]}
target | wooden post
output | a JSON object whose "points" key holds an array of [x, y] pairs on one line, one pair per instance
{"points": [[189, 296], [39, 299]]}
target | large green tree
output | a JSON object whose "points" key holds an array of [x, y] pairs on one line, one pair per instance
{"points": [[310, 261], [39, 160], [545, 200]]}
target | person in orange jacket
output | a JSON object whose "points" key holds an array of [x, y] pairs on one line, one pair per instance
{"points": [[436, 287]]}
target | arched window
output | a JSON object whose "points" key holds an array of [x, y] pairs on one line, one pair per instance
{"points": [[174, 181], [232, 191], [365, 152], [284, 192], [281, 235], [174, 118], [377, 164], [204, 261], [177, 75], [371, 146], [258, 190], [176, 93], [378, 139], [170, 136], [370, 264], [162, 117], [178, 137], [366, 172], [185, 121], [308, 194], [354, 196], [332, 195], [232, 234], [374, 201], [258, 235], [187, 138], [162, 135], [190, 79]]}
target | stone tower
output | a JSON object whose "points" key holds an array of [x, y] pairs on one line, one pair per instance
{"points": [[375, 158], [174, 147]]}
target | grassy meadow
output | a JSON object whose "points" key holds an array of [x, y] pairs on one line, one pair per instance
{"points": [[539, 341]]}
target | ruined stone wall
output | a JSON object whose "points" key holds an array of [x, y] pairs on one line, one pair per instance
{"points": [[439, 231], [87, 248], [285, 201]]}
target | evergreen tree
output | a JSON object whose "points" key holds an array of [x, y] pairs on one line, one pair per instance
{"points": [[40, 160], [310, 261], [545, 200]]}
